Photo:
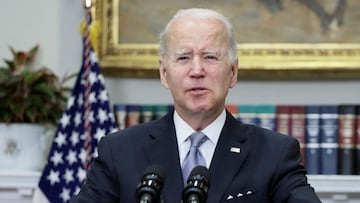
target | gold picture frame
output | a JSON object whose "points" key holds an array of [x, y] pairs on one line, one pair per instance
{"points": [[257, 61]]}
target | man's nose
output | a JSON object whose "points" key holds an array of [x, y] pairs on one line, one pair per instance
{"points": [[197, 67]]}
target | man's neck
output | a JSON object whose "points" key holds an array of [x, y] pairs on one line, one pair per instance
{"points": [[199, 120]]}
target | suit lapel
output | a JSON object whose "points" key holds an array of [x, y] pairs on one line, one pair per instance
{"points": [[163, 150], [229, 155]]}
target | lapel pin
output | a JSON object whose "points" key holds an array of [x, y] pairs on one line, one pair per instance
{"points": [[235, 150]]}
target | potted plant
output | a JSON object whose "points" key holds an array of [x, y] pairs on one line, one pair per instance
{"points": [[32, 100]]}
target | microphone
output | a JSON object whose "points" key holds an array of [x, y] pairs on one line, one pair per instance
{"points": [[150, 185], [197, 186]]}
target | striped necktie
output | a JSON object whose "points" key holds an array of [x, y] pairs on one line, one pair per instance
{"points": [[194, 157]]}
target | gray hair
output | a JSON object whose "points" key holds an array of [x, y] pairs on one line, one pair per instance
{"points": [[201, 13]]}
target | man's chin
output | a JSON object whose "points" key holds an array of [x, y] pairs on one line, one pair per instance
{"points": [[196, 108]]}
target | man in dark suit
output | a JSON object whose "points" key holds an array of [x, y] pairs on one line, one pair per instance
{"points": [[199, 65]]}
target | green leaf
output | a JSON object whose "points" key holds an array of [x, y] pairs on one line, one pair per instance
{"points": [[36, 96]]}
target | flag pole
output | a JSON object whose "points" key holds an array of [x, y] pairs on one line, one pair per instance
{"points": [[87, 4], [87, 64]]}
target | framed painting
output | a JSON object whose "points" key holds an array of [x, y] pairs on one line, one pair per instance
{"points": [[277, 40]]}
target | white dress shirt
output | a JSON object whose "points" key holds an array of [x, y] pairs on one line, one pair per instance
{"points": [[212, 131]]}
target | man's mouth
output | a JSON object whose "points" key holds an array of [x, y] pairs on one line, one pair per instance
{"points": [[197, 89]]}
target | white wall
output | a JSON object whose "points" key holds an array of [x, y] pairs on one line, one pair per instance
{"points": [[54, 24]]}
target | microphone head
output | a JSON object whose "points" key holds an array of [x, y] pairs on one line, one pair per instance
{"points": [[151, 184], [197, 185], [200, 173]]}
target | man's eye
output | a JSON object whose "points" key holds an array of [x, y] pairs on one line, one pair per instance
{"points": [[183, 58], [210, 57]]}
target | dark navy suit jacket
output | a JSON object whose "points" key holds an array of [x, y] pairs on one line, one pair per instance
{"points": [[267, 169]]}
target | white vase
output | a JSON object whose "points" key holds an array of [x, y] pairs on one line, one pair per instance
{"points": [[24, 147]]}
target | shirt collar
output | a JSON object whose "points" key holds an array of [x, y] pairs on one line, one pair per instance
{"points": [[212, 131]]}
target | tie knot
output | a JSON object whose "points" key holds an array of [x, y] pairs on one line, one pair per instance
{"points": [[197, 138]]}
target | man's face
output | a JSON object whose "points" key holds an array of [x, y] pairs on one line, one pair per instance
{"points": [[197, 69]]}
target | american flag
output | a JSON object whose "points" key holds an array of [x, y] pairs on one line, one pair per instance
{"points": [[86, 119]]}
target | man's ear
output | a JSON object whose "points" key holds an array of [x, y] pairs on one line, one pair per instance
{"points": [[234, 76], [163, 75]]}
